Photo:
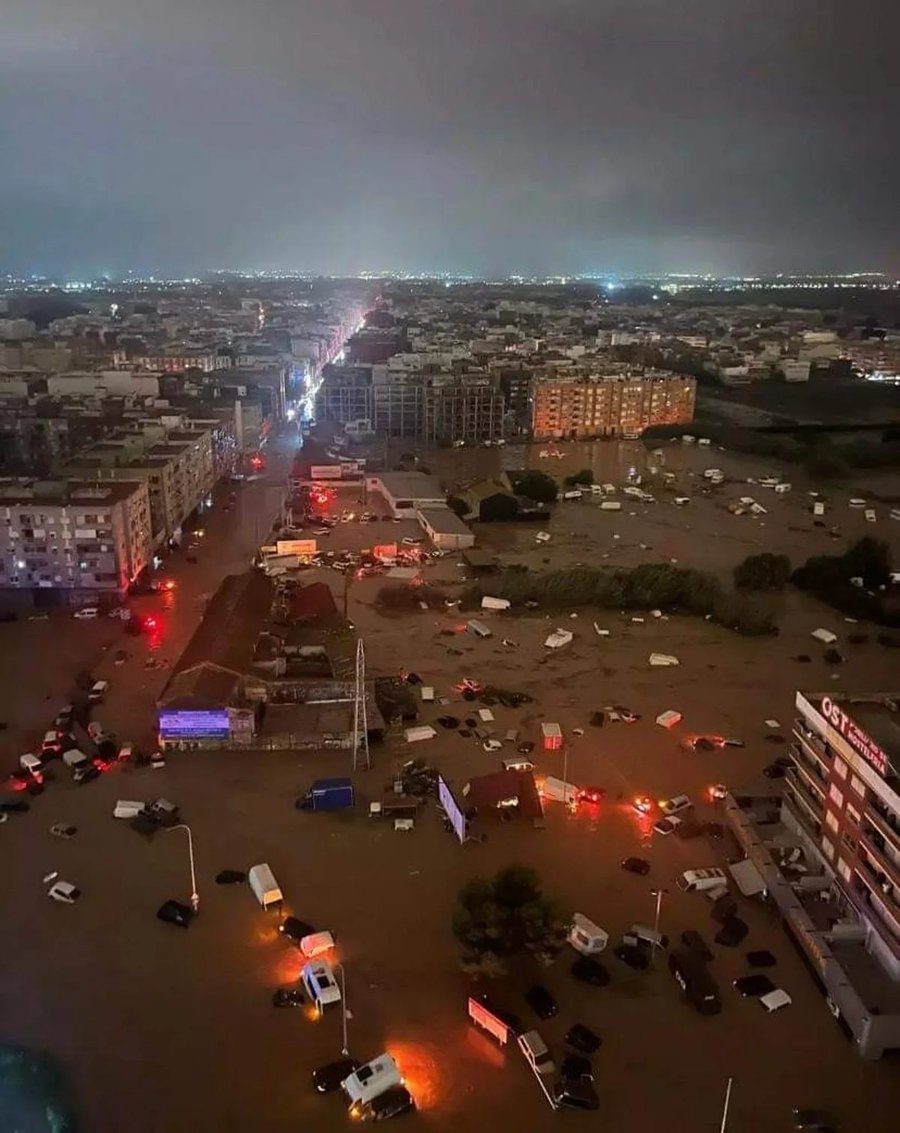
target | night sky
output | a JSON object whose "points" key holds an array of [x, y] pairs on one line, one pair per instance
{"points": [[483, 136]]}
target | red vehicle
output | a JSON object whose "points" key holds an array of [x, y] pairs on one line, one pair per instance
{"points": [[643, 804], [590, 795]]}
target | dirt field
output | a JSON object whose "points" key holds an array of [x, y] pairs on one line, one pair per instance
{"points": [[166, 1031]]}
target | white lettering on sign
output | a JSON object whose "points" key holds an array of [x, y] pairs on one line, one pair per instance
{"points": [[855, 737]]}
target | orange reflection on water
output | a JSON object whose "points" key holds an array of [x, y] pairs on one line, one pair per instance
{"points": [[420, 1067]]}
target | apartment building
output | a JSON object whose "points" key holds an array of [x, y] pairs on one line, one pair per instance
{"points": [[619, 404], [845, 794], [430, 405], [345, 394], [176, 465], [81, 541]]}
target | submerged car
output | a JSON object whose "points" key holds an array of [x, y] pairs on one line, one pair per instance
{"points": [[667, 825], [541, 1002], [640, 866], [590, 972], [328, 1078], [64, 891]]}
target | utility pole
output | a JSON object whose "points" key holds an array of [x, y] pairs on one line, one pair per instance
{"points": [[658, 894], [360, 720]]}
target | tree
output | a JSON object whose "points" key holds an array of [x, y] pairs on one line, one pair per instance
{"points": [[536, 486], [585, 476], [505, 916], [457, 506], [499, 508], [763, 572]]}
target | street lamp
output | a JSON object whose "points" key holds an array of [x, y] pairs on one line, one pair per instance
{"points": [[658, 894], [345, 1050], [195, 896]]}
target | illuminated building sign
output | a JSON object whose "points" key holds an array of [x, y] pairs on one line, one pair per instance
{"points": [[855, 737], [194, 725]]}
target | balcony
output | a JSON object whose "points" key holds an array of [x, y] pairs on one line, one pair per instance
{"points": [[810, 770], [878, 818], [873, 844], [817, 748], [805, 808], [877, 907]]}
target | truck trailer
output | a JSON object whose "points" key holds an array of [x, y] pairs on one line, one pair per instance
{"points": [[328, 794]]}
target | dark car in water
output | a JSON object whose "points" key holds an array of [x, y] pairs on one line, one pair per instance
{"points": [[693, 940], [582, 1038], [576, 1094], [640, 866], [753, 986], [590, 972], [541, 1002], [328, 1078], [395, 1101], [174, 912]]}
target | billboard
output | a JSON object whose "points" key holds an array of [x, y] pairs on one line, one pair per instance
{"points": [[197, 725], [452, 809], [302, 547]]}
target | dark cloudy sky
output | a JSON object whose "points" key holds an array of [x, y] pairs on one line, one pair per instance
{"points": [[463, 135]]}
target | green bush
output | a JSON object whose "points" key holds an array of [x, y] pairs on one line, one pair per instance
{"points": [[763, 572], [647, 587], [828, 577], [535, 485], [585, 476], [505, 916], [401, 597]]}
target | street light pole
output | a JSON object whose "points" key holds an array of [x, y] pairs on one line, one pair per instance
{"points": [[195, 896], [345, 1050], [725, 1108], [658, 894]]}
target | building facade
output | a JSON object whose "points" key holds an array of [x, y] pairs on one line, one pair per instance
{"points": [[81, 540], [618, 405], [844, 793]]}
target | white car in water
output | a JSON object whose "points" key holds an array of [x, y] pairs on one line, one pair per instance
{"points": [[667, 825], [63, 891]]}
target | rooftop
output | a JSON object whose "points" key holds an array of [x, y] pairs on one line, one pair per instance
{"points": [[73, 493], [444, 521], [414, 485]]}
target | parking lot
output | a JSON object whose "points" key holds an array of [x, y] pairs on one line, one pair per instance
{"points": [[150, 1021]]}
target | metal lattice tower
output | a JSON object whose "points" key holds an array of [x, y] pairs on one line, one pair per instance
{"points": [[360, 719]]}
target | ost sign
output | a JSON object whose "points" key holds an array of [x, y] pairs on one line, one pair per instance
{"points": [[855, 737]]}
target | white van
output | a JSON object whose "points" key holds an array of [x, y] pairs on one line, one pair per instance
{"points": [[518, 763], [587, 937], [265, 887], [370, 1080], [321, 986], [610, 505], [775, 1000], [560, 791], [128, 808], [696, 880], [478, 628]]}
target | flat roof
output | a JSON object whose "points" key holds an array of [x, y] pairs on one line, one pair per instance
{"points": [[443, 521], [76, 494], [415, 485], [876, 714]]}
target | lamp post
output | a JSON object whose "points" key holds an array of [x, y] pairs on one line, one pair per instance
{"points": [[344, 1049], [658, 894], [725, 1107], [195, 896]]}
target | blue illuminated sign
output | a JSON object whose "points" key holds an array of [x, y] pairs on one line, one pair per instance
{"points": [[194, 725]]}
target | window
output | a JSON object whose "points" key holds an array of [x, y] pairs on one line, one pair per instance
{"points": [[844, 869], [858, 785], [836, 796], [831, 821], [853, 814], [840, 768], [849, 842], [828, 847]]}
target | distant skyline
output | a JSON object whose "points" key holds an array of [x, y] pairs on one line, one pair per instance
{"points": [[514, 136]]}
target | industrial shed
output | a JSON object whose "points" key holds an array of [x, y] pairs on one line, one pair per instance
{"points": [[445, 529]]}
